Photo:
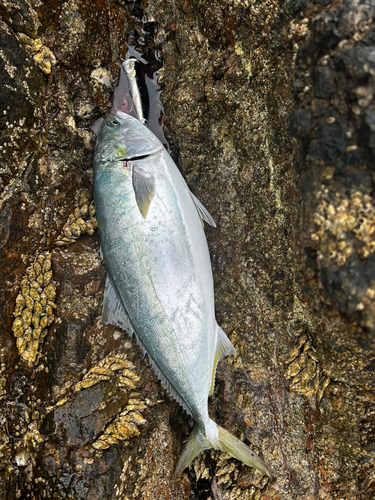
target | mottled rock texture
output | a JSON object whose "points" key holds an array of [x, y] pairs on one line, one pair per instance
{"points": [[270, 115]]}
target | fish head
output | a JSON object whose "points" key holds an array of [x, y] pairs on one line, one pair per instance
{"points": [[122, 137]]}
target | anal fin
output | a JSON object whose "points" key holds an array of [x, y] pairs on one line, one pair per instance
{"points": [[224, 347], [164, 381], [113, 311]]}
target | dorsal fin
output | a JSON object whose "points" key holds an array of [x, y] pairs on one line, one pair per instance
{"points": [[224, 347], [114, 313], [204, 214]]}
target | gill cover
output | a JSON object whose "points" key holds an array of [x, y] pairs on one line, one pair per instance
{"points": [[123, 137]]}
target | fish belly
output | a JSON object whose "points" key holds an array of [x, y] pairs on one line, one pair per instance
{"points": [[161, 270]]}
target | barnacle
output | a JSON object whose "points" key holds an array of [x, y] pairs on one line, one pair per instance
{"points": [[336, 220], [34, 308], [224, 468], [227, 481], [3, 369], [115, 368], [125, 425], [200, 468], [22, 457], [42, 56], [103, 77], [112, 365], [304, 369], [81, 221]]}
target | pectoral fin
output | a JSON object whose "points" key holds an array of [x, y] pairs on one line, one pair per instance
{"points": [[144, 188]]}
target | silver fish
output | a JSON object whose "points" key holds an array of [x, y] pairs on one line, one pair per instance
{"points": [[159, 279], [129, 67]]}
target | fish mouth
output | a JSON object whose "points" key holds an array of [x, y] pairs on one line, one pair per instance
{"points": [[135, 158], [140, 157]]}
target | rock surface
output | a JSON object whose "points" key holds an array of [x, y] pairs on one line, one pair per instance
{"points": [[270, 115]]}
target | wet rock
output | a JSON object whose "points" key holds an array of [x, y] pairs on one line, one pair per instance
{"points": [[21, 15], [299, 390], [357, 62], [81, 421], [300, 123], [22, 83], [324, 82], [335, 69], [368, 134], [340, 155]]}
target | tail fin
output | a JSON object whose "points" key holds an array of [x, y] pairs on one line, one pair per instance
{"points": [[197, 442], [225, 441], [230, 444]]}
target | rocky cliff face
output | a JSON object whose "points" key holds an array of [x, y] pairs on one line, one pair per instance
{"points": [[269, 113]]}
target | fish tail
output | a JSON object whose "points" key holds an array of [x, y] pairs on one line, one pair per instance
{"points": [[196, 443], [219, 439]]}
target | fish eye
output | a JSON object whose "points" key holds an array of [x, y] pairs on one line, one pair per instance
{"points": [[113, 123]]}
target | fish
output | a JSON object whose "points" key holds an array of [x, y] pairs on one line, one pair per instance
{"points": [[159, 283]]}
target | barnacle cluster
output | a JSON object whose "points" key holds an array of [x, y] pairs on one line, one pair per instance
{"points": [[112, 365], [34, 307], [23, 427], [103, 77], [304, 369], [127, 422], [252, 493], [81, 221], [226, 477], [226, 472], [42, 56], [125, 425], [200, 468], [337, 222]]}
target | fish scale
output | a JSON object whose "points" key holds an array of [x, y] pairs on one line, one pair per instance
{"points": [[159, 278]]}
